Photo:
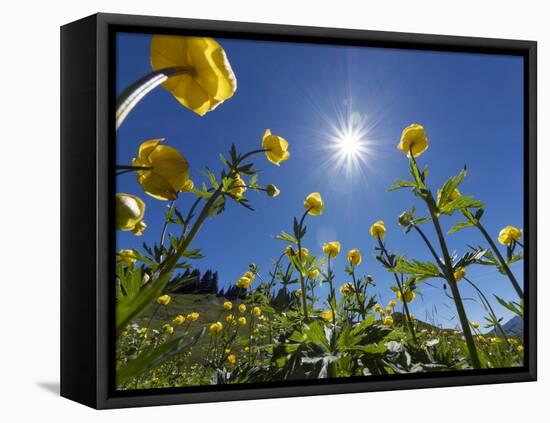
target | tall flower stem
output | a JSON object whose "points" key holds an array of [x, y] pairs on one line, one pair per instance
{"points": [[448, 271], [456, 293], [165, 226], [302, 282], [331, 294], [360, 303], [503, 263], [401, 291], [135, 92]]}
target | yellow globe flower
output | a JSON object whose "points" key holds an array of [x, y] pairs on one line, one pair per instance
{"points": [[378, 229], [387, 321], [413, 138], [179, 320], [227, 350], [168, 173], [389, 310], [193, 316], [164, 299], [243, 282], [354, 257], [228, 305], [313, 273], [409, 296], [239, 186], [126, 257], [242, 321], [215, 328], [246, 349], [302, 254], [250, 275], [347, 289], [327, 315], [231, 319], [256, 311], [331, 249], [474, 325], [520, 348], [459, 273], [377, 308], [168, 329], [276, 148], [392, 303], [129, 212], [509, 234], [208, 80], [242, 308], [272, 190], [231, 358], [298, 293], [314, 203]]}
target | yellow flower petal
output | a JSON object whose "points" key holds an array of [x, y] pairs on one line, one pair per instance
{"points": [[209, 80], [276, 148], [129, 211], [314, 203], [413, 138]]}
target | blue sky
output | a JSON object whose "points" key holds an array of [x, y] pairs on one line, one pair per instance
{"points": [[471, 106]]}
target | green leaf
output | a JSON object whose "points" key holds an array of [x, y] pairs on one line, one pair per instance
{"points": [[512, 306], [286, 237], [150, 360], [416, 268], [401, 183], [448, 188], [463, 202], [459, 226]]}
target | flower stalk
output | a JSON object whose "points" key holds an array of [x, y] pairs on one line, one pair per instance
{"points": [[134, 93], [448, 267], [401, 291]]}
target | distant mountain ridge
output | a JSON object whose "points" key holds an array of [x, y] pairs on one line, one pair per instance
{"points": [[513, 327]]}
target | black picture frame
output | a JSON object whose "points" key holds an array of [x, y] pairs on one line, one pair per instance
{"points": [[87, 244]]}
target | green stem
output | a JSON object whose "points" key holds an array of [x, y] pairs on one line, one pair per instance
{"points": [[164, 227], [357, 293], [302, 284], [430, 247], [134, 93], [456, 293], [331, 294], [503, 263], [400, 287], [450, 277]]}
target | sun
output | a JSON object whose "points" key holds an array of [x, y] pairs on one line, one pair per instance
{"points": [[350, 146]]}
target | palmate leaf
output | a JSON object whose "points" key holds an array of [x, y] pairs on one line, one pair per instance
{"points": [[459, 226], [470, 257], [419, 269], [401, 183], [134, 301], [150, 360], [286, 237], [463, 202], [448, 187], [512, 306]]}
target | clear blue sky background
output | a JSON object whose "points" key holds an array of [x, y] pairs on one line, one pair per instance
{"points": [[470, 104]]}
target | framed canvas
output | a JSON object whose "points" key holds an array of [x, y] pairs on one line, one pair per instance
{"points": [[255, 211]]}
